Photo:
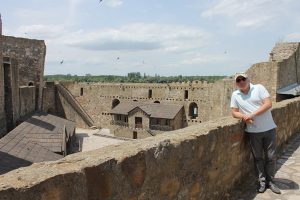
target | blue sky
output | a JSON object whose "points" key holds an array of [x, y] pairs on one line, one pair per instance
{"points": [[169, 37]]}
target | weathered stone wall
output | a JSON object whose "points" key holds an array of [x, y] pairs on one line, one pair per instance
{"points": [[2, 111], [30, 58], [198, 162], [138, 113], [265, 73], [22, 65], [49, 93], [27, 100], [178, 121], [125, 132], [289, 69], [14, 74], [97, 98], [66, 110]]}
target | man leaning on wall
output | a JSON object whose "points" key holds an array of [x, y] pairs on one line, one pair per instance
{"points": [[251, 103]]}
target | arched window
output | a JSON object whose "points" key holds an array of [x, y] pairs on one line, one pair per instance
{"points": [[156, 102], [115, 102], [193, 110], [30, 83]]}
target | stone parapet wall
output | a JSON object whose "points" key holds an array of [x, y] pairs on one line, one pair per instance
{"points": [[198, 162]]}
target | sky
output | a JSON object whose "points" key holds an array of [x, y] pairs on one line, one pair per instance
{"points": [[165, 37]]}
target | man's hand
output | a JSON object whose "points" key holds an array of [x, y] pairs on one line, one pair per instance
{"points": [[248, 118]]}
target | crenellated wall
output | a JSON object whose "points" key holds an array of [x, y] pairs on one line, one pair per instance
{"points": [[203, 161], [97, 98]]}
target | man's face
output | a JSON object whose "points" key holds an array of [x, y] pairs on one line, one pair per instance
{"points": [[242, 82]]}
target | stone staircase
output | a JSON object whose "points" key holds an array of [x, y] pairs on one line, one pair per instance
{"points": [[75, 105]]}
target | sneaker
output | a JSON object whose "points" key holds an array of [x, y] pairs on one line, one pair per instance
{"points": [[261, 187], [274, 188]]}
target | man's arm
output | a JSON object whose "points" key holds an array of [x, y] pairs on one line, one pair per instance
{"points": [[236, 113], [267, 104]]}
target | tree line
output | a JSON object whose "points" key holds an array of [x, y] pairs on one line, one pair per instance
{"points": [[132, 77]]}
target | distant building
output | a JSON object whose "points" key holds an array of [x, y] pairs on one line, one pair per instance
{"points": [[148, 116]]}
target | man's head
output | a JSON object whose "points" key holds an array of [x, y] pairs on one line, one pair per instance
{"points": [[242, 81]]}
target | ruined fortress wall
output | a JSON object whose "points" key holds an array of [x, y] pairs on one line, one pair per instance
{"points": [[212, 99], [2, 111], [22, 65], [49, 92], [265, 73], [198, 162], [65, 110], [30, 58], [289, 68], [97, 98], [27, 100]]}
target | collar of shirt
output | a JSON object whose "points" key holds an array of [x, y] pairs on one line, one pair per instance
{"points": [[251, 87]]}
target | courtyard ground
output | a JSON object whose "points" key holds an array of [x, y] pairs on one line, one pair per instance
{"points": [[89, 139]]}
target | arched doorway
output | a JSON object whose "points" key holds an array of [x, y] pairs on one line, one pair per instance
{"points": [[115, 102], [193, 110]]}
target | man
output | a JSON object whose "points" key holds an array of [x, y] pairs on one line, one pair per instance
{"points": [[252, 104]]}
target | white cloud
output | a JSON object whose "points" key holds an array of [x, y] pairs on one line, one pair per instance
{"points": [[253, 22], [138, 36], [141, 46], [197, 58], [293, 37], [113, 3], [249, 13]]}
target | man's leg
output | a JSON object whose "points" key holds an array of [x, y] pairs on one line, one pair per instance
{"points": [[269, 144], [256, 145]]}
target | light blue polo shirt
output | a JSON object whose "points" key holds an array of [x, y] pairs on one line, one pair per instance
{"points": [[249, 103]]}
